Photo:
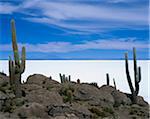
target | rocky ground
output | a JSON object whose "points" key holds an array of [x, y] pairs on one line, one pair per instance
{"points": [[45, 98]]}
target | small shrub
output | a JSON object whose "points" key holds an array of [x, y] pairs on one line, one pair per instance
{"points": [[19, 101], [49, 88], [97, 112], [4, 84], [8, 106], [67, 92], [2, 89], [109, 110]]}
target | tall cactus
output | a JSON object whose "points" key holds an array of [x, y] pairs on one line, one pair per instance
{"points": [[16, 66], [137, 76], [107, 79]]}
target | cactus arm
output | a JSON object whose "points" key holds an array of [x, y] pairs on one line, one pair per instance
{"points": [[139, 70], [128, 74], [138, 81], [69, 78], [135, 65], [139, 75], [114, 83], [14, 43], [60, 77], [107, 78], [23, 60], [63, 78]]}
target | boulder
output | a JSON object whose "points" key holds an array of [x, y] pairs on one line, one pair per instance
{"points": [[69, 111], [93, 95], [44, 82], [120, 98], [107, 88], [34, 110], [39, 79], [106, 94], [3, 79], [141, 101], [85, 92], [27, 88], [44, 97], [36, 79], [81, 111]]}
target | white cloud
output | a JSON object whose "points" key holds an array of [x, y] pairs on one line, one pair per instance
{"points": [[80, 16], [125, 1], [7, 8], [120, 1], [63, 47], [67, 11]]}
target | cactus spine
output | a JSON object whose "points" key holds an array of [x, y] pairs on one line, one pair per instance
{"points": [[137, 76], [16, 67], [107, 79]]}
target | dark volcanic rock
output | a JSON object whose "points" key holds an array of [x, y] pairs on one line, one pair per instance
{"points": [[44, 98], [3, 79], [120, 98], [80, 111], [141, 101], [34, 110], [40, 79], [85, 92]]}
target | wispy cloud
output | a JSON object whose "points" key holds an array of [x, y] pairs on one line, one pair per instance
{"points": [[64, 47], [7, 8], [80, 16]]}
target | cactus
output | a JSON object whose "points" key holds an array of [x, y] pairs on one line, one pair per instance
{"points": [[78, 81], [50, 77], [16, 67], [114, 83], [69, 96], [64, 79], [137, 76], [107, 79]]}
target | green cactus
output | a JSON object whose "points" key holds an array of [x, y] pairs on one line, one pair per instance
{"points": [[137, 76], [107, 79], [16, 66], [65, 79]]}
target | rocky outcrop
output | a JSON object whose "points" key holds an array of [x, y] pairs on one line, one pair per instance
{"points": [[63, 110], [32, 110], [44, 98]]}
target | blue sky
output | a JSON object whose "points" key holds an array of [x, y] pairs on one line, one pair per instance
{"points": [[76, 29]]}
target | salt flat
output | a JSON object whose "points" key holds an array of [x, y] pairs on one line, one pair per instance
{"points": [[88, 71]]}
